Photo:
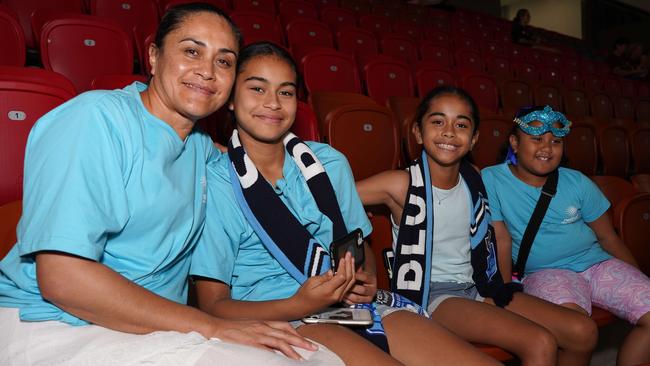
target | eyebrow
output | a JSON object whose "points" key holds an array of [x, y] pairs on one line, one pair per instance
{"points": [[444, 115], [264, 80], [202, 44]]}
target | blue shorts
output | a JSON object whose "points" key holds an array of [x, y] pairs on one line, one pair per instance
{"points": [[441, 291]]}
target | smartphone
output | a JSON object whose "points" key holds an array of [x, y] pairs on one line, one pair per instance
{"points": [[353, 243], [342, 316]]}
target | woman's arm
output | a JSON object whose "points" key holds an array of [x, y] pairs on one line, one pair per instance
{"points": [[93, 292], [504, 250], [316, 293], [386, 188], [609, 240]]}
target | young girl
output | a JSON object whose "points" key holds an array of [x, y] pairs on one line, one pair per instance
{"points": [[445, 256], [576, 258], [274, 206]]}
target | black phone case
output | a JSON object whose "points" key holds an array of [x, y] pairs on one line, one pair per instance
{"points": [[353, 243]]}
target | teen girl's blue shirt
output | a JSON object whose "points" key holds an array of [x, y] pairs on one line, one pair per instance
{"points": [[230, 251], [107, 181], [564, 239]]}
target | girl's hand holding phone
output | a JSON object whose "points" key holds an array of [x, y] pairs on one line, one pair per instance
{"points": [[324, 290], [364, 289]]}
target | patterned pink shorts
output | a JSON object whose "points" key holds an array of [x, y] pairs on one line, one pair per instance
{"points": [[612, 285]]}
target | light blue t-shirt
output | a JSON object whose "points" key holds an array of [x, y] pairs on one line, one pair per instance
{"points": [[230, 251], [564, 239], [108, 181]]}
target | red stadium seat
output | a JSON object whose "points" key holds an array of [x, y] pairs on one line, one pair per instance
{"points": [[109, 82], [375, 23], [306, 125], [631, 218], [336, 17], [624, 108], [164, 5], [572, 79], [129, 14], [330, 70], [366, 134], [404, 110], [25, 8], [602, 109], [358, 6], [639, 139], [408, 29], [483, 89], [385, 78], [440, 55], [292, 9], [437, 37], [82, 47], [323, 102], [628, 88], [310, 32], [642, 89], [616, 189], [399, 46], [499, 67], [643, 109], [641, 182], [13, 39], [581, 149], [9, 216], [514, 95], [491, 49], [464, 41], [25, 95], [380, 240], [493, 135], [261, 6], [576, 104], [467, 61], [357, 41], [614, 150], [592, 82], [256, 26], [429, 76], [612, 86], [550, 75], [548, 94], [525, 71]]}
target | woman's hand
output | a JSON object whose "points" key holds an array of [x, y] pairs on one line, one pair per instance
{"points": [[269, 335], [324, 290]]}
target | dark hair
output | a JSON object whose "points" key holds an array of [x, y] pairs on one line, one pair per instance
{"points": [[520, 14], [177, 14], [265, 48], [423, 107]]}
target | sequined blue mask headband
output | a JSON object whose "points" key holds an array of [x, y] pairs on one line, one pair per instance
{"points": [[547, 117]]}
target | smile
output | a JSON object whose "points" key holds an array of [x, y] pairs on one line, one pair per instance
{"points": [[543, 158], [200, 88], [447, 147], [269, 119]]}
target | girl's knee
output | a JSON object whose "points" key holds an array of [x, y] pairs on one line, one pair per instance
{"points": [[582, 334], [542, 345]]}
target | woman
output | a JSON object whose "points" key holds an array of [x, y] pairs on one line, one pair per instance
{"points": [[114, 202]]}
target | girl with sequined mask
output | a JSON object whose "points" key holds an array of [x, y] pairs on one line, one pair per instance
{"points": [[576, 258], [445, 254]]}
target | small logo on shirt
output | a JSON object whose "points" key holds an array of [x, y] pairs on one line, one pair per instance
{"points": [[572, 215]]}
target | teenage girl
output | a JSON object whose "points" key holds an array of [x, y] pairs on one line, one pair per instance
{"points": [[270, 192], [441, 205], [576, 258]]}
